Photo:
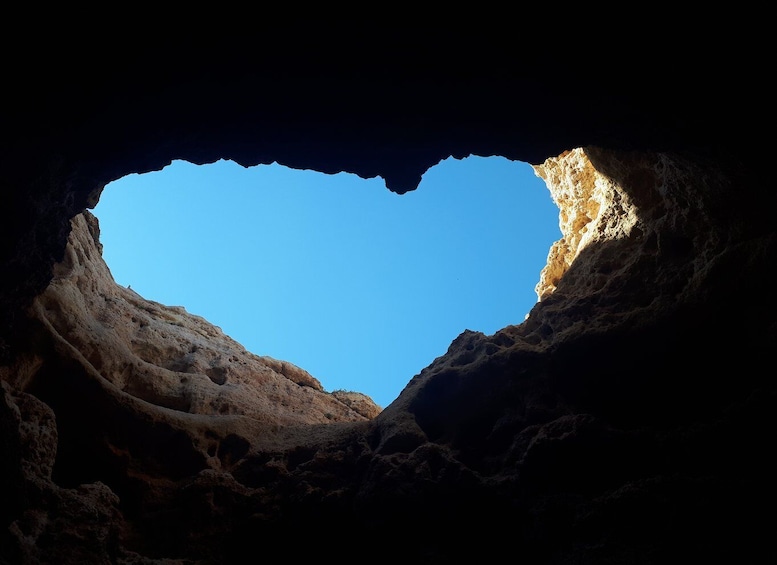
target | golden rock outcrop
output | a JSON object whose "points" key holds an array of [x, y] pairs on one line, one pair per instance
{"points": [[591, 209]]}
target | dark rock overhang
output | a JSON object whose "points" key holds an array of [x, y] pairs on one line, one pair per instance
{"points": [[85, 113], [568, 442]]}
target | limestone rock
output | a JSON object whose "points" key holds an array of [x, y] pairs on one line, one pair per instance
{"points": [[629, 419], [591, 209], [359, 401], [167, 357], [85, 518]]}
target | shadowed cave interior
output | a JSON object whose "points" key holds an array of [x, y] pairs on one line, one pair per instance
{"points": [[629, 419]]}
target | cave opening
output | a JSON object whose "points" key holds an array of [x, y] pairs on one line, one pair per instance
{"points": [[357, 285]]}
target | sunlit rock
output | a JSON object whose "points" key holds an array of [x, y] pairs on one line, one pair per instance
{"points": [[591, 208], [167, 357]]}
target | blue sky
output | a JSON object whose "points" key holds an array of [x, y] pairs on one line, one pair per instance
{"points": [[357, 285]]}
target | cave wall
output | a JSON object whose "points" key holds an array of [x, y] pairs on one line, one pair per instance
{"points": [[629, 419], [79, 117]]}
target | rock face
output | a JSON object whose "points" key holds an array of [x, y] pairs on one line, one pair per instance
{"points": [[164, 355], [592, 209], [152, 369], [628, 419]]}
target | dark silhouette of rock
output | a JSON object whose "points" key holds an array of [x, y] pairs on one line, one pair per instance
{"points": [[628, 419]]}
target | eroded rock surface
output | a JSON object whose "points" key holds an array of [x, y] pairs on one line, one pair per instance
{"points": [[629, 419], [585, 432], [167, 357], [135, 392], [592, 208]]}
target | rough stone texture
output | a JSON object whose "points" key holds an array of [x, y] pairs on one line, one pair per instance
{"points": [[628, 419], [165, 356], [83, 519], [592, 209]]}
